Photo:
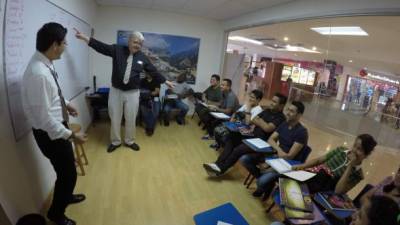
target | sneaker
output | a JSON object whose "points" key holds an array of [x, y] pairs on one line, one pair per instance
{"points": [[133, 146], [212, 169], [149, 132], [180, 121], [112, 147], [207, 137], [166, 123], [258, 193], [77, 198], [214, 146]]}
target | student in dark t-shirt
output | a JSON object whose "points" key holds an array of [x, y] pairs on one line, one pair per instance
{"points": [[264, 124], [149, 103], [288, 141]]}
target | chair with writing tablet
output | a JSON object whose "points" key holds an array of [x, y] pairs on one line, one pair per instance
{"points": [[300, 158]]}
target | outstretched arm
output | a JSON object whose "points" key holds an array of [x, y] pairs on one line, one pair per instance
{"points": [[99, 46]]}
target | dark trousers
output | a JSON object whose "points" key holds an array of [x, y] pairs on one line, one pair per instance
{"points": [[60, 153], [231, 155], [149, 112], [201, 111], [250, 162]]}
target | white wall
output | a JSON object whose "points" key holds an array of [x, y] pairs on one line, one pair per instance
{"points": [[26, 175], [300, 9], [111, 19]]}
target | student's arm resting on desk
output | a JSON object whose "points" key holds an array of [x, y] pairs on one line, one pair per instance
{"points": [[294, 150], [266, 127], [273, 141], [310, 163]]}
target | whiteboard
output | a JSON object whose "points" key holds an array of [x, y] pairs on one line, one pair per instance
{"points": [[23, 18]]}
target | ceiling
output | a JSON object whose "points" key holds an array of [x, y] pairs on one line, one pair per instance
{"points": [[212, 9], [379, 52]]}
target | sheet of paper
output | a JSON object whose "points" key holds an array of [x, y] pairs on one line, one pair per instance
{"points": [[258, 142], [223, 223], [220, 115], [204, 104], [279, 165], [300, 175], [172, 96]]}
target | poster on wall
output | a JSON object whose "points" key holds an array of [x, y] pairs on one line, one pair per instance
{"points": [[171, 54]]}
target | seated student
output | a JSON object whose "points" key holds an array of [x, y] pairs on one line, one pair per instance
{"points": [[182, 90], [377, 210], [149, 103], [228, 105], [288, 140], [244, 114], [211, 96], [390, 187], [340, 169], [265, 123]]}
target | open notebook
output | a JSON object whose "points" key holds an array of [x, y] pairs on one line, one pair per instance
{"points": [[258, 145], [283, 167], [221, 116]]}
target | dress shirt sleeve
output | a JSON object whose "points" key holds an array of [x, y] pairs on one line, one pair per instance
{"points": [[152, 70], [39, 101], [102, 48]]}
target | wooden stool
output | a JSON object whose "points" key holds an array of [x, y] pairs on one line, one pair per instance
{"points": [[79, 150]]}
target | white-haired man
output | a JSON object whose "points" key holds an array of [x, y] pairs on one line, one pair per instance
{"points": [[128, 63]]}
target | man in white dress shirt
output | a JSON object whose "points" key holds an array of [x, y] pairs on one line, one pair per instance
{"points": [[47, 111]]}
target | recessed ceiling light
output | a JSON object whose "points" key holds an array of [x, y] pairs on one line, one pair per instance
{"points": [[350, 61], [351, 31], [291, 48], [314, 48], [286, 39], [243, 39]]}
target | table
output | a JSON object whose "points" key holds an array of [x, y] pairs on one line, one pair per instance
{"points": [[99, 103]]}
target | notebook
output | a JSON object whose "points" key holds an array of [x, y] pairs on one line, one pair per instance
{"points": [[295, 195], [337, 202], [258, 145], [283, 167], [221, 116]]}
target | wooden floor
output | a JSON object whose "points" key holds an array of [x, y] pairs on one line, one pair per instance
{"points": [[162, 184], [165, 184]]}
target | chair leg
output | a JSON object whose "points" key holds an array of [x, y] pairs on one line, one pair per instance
{"points": [[250, 182], [86, 162], [247, 178], [78, 159], [270, 207]]}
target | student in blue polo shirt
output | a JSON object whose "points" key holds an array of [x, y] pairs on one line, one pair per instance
{"points": [[288, 140]]}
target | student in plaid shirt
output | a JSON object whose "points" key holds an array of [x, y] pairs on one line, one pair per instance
{"points": [[340, 169]]}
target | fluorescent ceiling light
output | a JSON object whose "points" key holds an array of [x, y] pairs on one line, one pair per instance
{"points": [[290, 48], [243, 39], [351, 31]]}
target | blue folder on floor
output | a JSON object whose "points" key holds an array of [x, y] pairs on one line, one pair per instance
{"points": [[225, 214]]}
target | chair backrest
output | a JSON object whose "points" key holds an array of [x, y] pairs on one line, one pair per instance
{"points": [[303, 154]]}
